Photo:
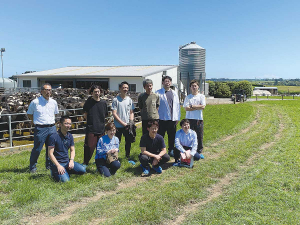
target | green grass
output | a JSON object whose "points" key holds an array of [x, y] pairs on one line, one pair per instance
{"points": [[263, 191]]}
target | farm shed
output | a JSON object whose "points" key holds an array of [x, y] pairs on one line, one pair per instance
{"points": [[272, 90], [109, 77]]}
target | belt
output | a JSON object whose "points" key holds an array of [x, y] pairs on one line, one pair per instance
{"points": [[44, 125]]}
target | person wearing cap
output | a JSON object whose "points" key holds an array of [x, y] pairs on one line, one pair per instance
{"points": [[61, 166], [41, 112], [148, 103], [169, 111], [194, 104]]}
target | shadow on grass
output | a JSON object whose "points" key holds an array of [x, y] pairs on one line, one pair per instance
{"points": [[16, 170], [39, 176]]}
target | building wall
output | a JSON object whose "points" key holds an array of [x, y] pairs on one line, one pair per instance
{"points": [[115, 81], [34, 83]]}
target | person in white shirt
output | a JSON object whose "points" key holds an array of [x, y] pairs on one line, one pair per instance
{"points": [[194, 104], [42, 112], [169, 111], [186, 139]]}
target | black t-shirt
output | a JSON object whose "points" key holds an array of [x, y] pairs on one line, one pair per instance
{"points": [[96, 113], [153, 146]]}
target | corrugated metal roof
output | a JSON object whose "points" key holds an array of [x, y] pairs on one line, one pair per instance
{"points": [[103, 71], [265, 88]]}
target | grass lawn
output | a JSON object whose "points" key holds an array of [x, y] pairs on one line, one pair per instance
{"points": [[249, 176]]}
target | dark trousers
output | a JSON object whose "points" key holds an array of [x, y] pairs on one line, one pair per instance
{"points": [[107, 169], [144, 126], [145, 160], [90, 144], [119, 133], [197, 126], [177, 154], [168, 126]]}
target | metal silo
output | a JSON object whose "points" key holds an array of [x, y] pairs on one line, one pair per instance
{"points": [[192, 65]]}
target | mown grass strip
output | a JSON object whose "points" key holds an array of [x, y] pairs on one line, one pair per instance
{"points": [[24, 194], [155, 200], [266, 192]]}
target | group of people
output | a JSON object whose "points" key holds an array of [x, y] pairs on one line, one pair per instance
{"points": [[160, 114]]}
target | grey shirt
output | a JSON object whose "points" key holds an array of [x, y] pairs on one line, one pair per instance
{"points": [[148, 105]]}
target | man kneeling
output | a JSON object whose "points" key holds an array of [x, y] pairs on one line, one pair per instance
{"points": [[59, 144], [153, 149]]}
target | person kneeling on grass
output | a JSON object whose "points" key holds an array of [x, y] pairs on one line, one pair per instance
{"points": [[107, 152], [59, 144], [153, 149], [186, 143]]}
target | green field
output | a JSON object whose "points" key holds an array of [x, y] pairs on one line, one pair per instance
{"points": [[250, 175], [288, 89]]}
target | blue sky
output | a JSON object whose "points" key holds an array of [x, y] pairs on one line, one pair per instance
{"points": [[243, 39]]}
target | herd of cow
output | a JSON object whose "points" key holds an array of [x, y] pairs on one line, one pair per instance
{"points": [[70, 102]]}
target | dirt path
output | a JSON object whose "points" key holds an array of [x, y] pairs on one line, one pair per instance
{"points": [[217, 189]]}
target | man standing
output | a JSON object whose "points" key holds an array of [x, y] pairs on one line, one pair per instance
{"points": [[153, 149], [122, 111], [95, 111], [169, 111], [194, 103], [148, 103], [42, 112], [59, 144]]}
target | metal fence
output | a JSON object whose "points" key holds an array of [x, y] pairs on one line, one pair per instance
{"points": [[78, 124], [27, 126]]}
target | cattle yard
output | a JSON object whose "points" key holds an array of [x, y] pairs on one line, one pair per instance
{"points": [[17, 130]]}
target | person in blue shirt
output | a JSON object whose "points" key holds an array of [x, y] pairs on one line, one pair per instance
{"points": [[108, 143], [59, 144], [186, 139]]}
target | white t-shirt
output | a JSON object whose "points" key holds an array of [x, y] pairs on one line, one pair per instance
{"points": [[198, 99]]}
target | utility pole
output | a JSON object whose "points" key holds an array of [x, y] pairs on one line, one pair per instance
{"points": [[2, 50]]}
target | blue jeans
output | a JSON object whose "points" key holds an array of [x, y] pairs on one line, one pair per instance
{"points": [[41, 135], [77, 169]]}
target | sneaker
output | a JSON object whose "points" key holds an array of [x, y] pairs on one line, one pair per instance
{"points": [[176, 164], [157, 169], [171, 153], [146, 171], [33, 170], [201, 156], [131, 162]]}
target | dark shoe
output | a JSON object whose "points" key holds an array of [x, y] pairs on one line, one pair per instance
{"points": [[171, 153]]}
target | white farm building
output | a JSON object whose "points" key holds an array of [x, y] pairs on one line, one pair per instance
{"points": [[109, 77]]}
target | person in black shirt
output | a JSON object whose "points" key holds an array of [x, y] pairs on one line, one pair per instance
{"points": [[153, 149], [95, 111]]}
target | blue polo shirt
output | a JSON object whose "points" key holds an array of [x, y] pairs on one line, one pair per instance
{"points": [[61, 146]]}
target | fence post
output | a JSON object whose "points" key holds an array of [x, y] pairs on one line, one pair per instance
{"points": [[9, 129], [281, 97], [293, 96], [268, 97], [256, 97]]}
